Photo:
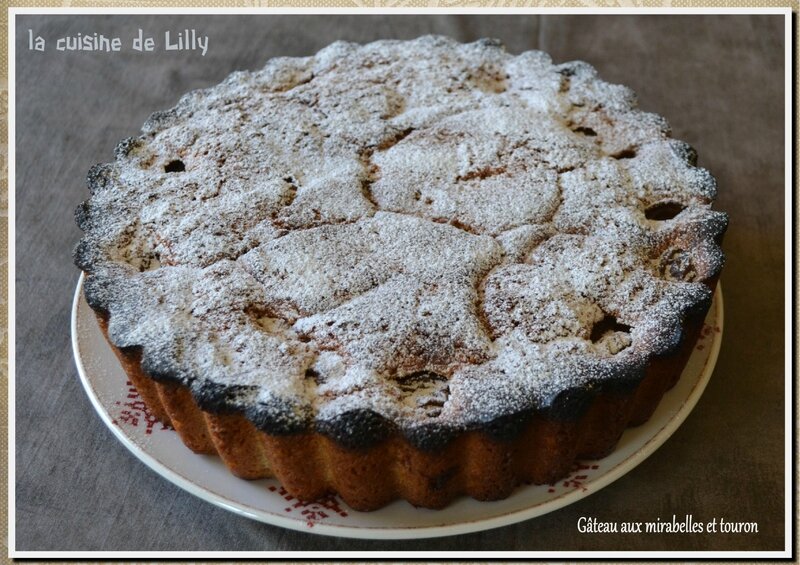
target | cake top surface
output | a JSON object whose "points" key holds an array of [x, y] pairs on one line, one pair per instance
{"points": [[429, 231]]}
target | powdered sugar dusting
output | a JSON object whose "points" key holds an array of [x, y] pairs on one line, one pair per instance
{"points": [[434, 231]]}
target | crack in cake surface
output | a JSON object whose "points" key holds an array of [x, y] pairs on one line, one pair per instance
{"points": [[315, 231]]}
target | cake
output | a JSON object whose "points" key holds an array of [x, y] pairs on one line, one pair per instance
{"points": [[405, 270]]}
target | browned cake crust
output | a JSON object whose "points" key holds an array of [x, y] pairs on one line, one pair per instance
{"points": [[409, 269], [310, 465]]}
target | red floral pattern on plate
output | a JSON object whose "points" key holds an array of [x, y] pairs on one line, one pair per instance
{"points": [[133, 412], [312, 512], [578, 475], [705, 334]]}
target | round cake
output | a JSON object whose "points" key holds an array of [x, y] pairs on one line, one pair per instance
{"points": [[408, 269]]}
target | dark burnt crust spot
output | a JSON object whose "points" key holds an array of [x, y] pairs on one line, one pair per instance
{"points": [[571, 68], [509, 426], [697, 311], [96, 289], [162, 369], [278, 417], [430, 436], [160, 120], [356, 429], [491, 42], [127, 146], [99, 177], [570, 404], [83, 255], [684, 151], [627, 377], [83, 215], [218, 398]]}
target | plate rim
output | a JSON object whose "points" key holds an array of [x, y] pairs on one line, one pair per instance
{"points": [[615, 472]]}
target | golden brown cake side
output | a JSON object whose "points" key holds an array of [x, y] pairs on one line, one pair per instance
{"points": [[310, 465]]}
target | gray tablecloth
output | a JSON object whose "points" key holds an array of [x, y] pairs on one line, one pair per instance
{"points": [[718, 79]]}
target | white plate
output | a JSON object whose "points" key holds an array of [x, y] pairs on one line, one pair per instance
{"points": [[161, 449]]}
